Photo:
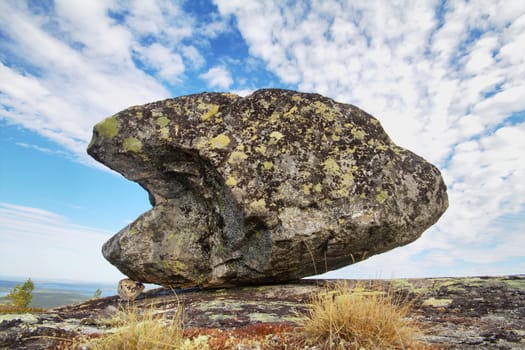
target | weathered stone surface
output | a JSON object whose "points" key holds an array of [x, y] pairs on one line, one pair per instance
{"points": [[271, 187], [456, 313]]}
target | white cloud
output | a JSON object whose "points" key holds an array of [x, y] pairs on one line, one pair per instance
{"points": [[442, 87], [191, 54], [71, 89], [41, 244], [218, 77], [168, 64]]}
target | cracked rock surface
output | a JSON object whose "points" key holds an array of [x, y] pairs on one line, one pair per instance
{"points": [[271, 187]]}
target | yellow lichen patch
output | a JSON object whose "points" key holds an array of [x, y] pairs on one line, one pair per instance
{"points": [[231, 181], [340, 193], [274, 117], [276, 135], [377, 144], [296, 98], [162, 121], [158, 112], [258, 206], [290, 112], [374, 121], [139, 115], [261, 149], [330, 166], [325, 111], [132, 144], [165, 133], [178, 267], [211, 112], [307, 188], [267, 165], [237, 157], [347, 180], [220, 141], [381, 195], [358, 133], [318, 188], [108, 127], [230, 95], [177, 129]]}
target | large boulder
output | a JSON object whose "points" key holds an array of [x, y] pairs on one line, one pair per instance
{"points": [[271, 187]]}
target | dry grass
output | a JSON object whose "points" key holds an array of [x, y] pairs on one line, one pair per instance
{"points": [[355, 318], [339, 318], [143, 330], [13, 309]]}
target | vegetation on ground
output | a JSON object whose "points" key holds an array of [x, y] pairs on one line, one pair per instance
{"points": [[97, 294], [339, 317], [21, 295], [19, 299], [135, 329], [360, 318]]}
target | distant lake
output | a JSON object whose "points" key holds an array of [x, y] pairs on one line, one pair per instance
{"points": [[51, 294]]}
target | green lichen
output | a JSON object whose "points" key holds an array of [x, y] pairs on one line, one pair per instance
{"points": [[267, 165], [258, 206], [164, 133], [211, 112], [358, 133], [276, 135], [132, 144], [381, 196], [220, 141], [231, 181], [163, 121], [290, 112], [237, 157], [307, 188], [178, 267], [437, 302], [261, 149], [108, 127], [331, 167]]}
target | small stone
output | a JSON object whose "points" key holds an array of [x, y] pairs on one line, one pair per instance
{"points": [[129, 289]]}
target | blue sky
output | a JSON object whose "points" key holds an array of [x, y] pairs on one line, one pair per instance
{"points": [[445, 78]]}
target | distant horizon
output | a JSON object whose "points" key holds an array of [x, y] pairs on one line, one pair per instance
{"points": [[20, 279]]}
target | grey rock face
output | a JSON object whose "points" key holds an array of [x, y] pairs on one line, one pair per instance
{"points": [[271, 187]]}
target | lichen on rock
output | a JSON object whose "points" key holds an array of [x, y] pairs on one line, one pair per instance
{"points": [[271, 187]]}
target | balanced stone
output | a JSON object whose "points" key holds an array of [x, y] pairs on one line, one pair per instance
{"points": [[270, 187]]}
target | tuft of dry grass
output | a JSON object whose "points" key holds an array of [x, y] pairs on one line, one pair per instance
{"points": [[359, 318], [144, 330]]}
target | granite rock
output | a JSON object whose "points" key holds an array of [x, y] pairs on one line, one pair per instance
{"points": [[271, 187]]}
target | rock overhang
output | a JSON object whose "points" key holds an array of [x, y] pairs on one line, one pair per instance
{"points": [[272, 167]]}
